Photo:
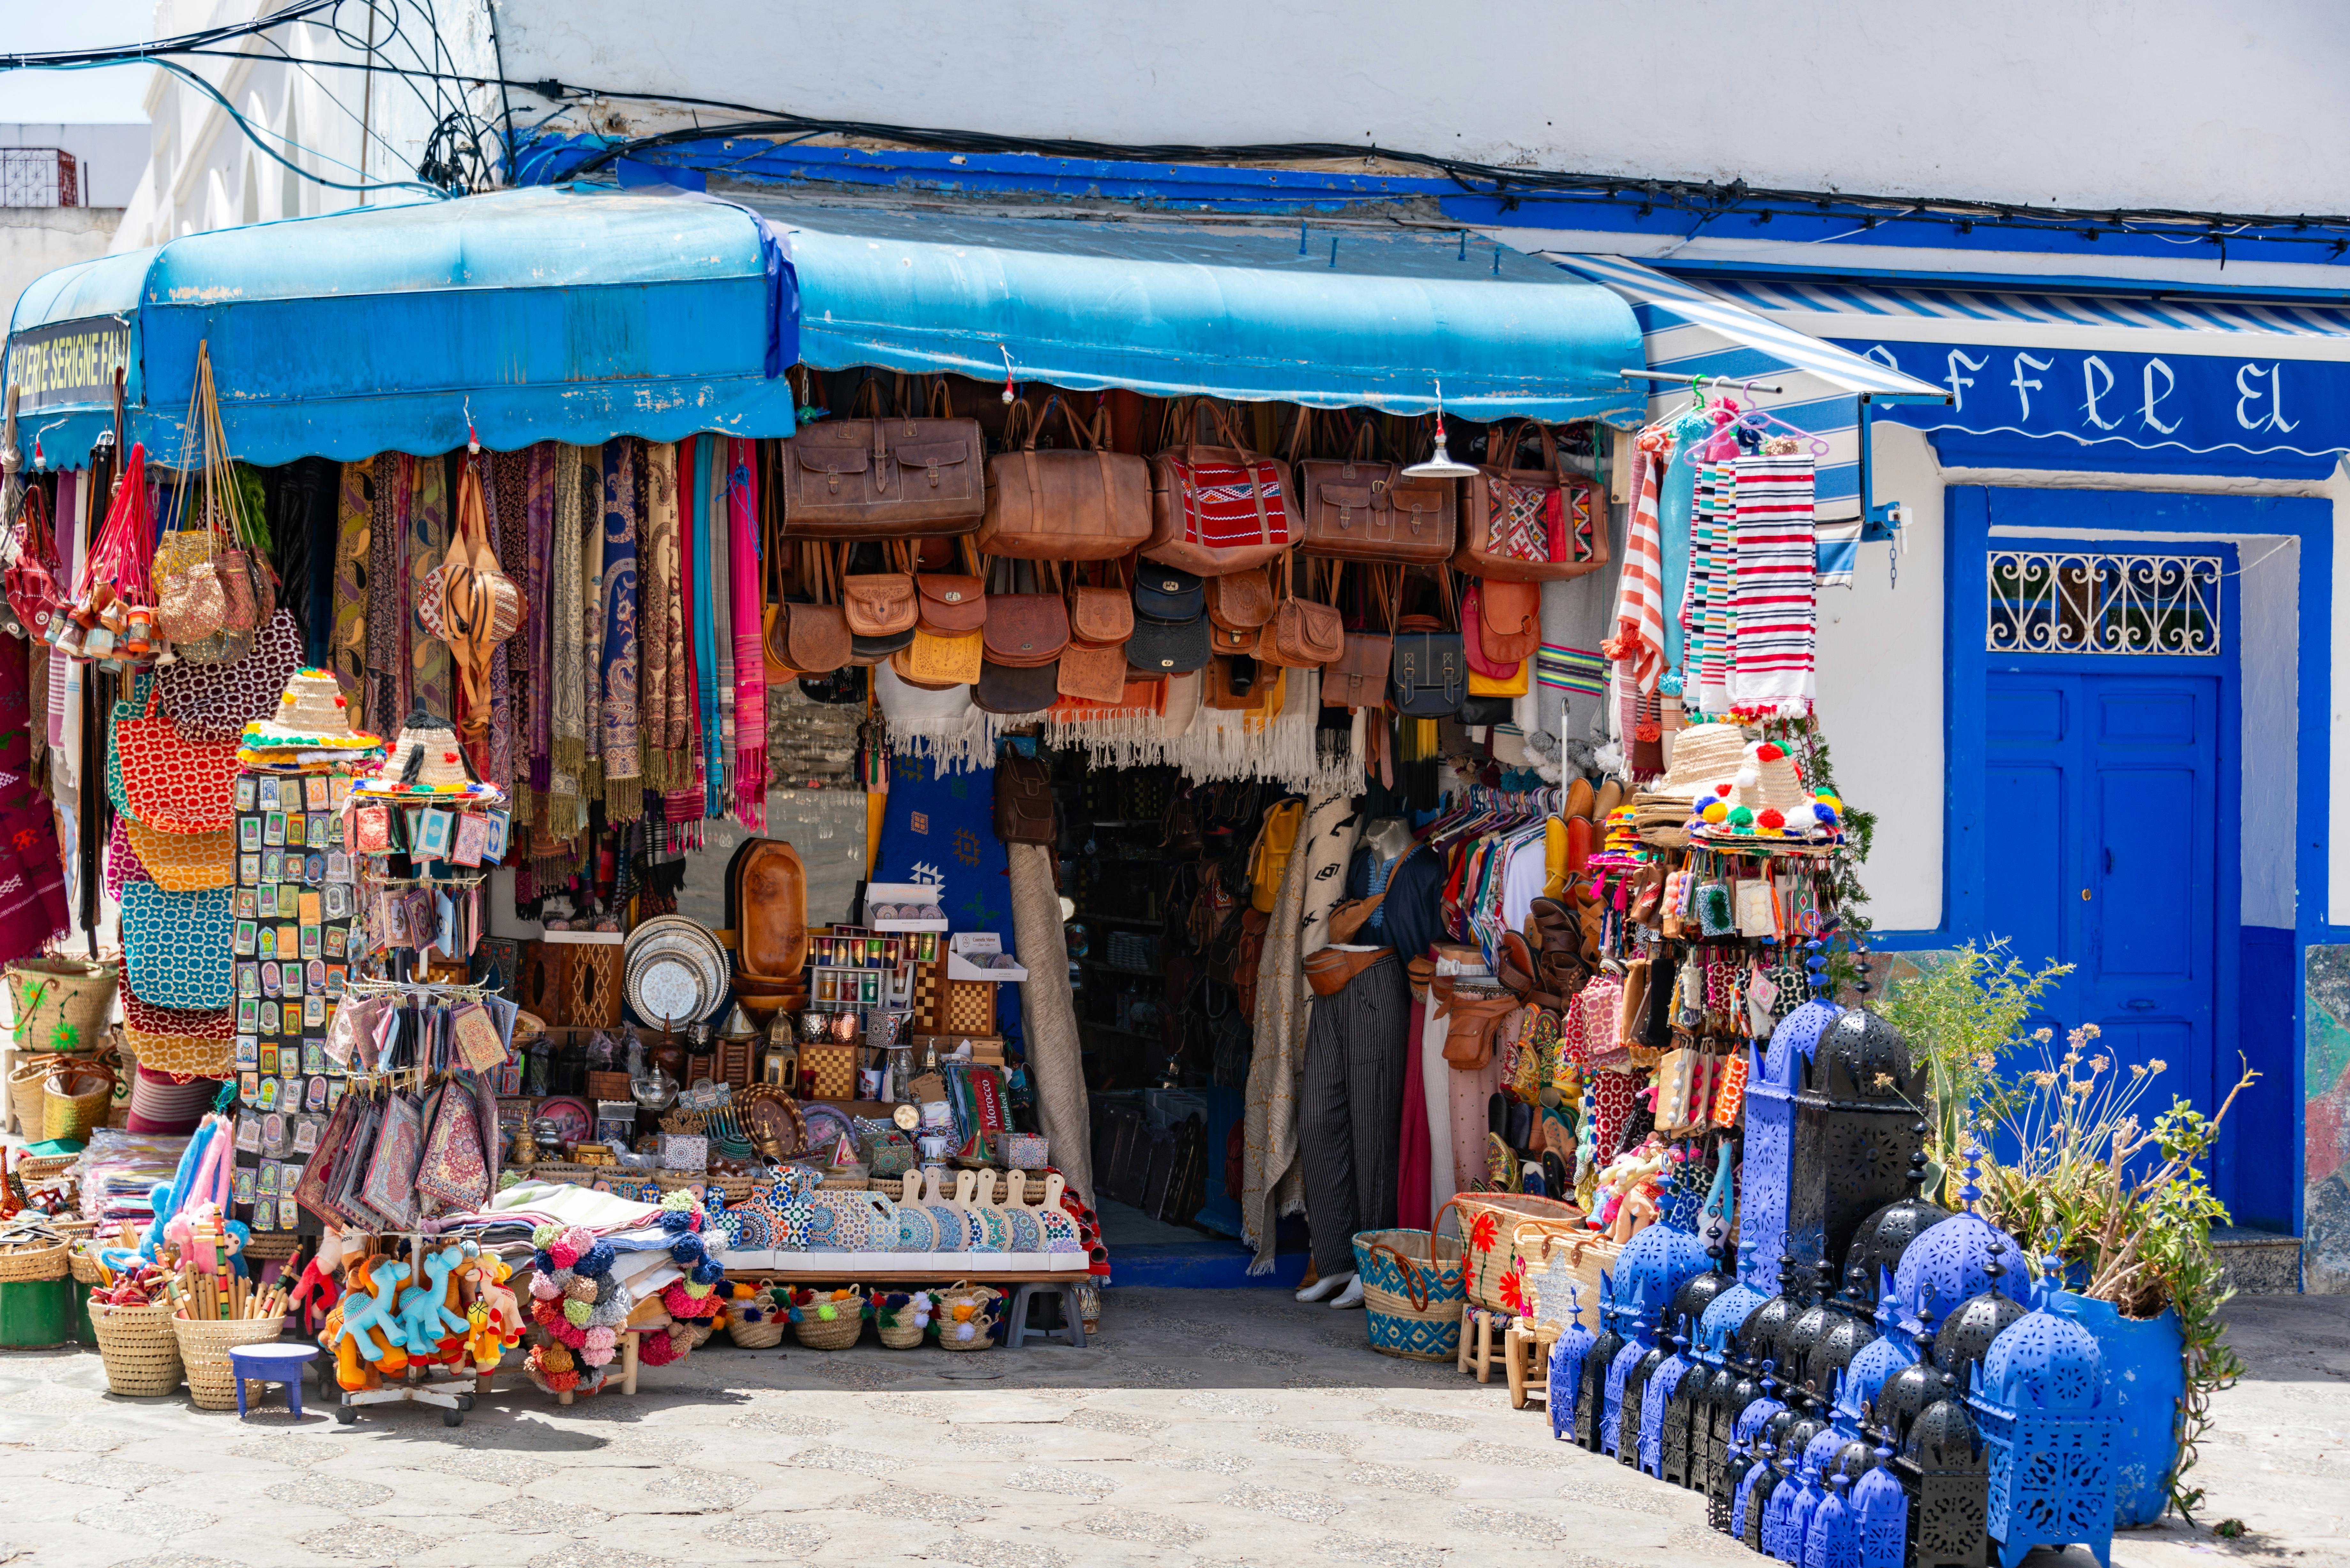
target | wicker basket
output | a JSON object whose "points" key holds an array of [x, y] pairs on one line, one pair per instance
{"points": [[1412, 1291], [267, 1245], [204, 1345], [47, 994], [34, 1263], [836, 1333], [24, 1082], [140, 1352], [988, 1304], [84, 1267], [1534, 1244], [75, 1098], [903, 1334], [764, 1334], [1487, 1222]]}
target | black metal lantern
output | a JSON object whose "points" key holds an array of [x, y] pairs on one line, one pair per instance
{"points": [[1590, 1405], [1636, 1389], [1884, 1235], [1966, 1334], [1944, 1464]]}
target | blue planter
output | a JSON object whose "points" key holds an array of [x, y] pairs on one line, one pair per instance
{"points": [[2145, 1376]]}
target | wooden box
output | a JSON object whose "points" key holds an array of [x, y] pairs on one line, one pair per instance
{"points": [[829, 1069]]}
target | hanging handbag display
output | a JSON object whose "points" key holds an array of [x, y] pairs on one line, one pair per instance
{"points": [[1303, 634], [1529, 524], [878, 604], [1216, 509], [1359, 677], [176, 945], [933, 660], [1024, 800], [1170, 622], [1359, 508], [1016, 691], [1500, 625], [1025, 629], [1093, 665], [1238, 604], [170, 782], [815, 634], [1430, 671], [34, 595], [1231, 681], [949, 604], [866, 477], [1082, 502]]}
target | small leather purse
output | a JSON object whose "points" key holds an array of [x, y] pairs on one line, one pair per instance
{"points": [[1027, 629], [1303, 634], [817, 634], [950, 604]]}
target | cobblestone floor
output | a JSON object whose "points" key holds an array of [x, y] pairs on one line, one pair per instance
{"points": [[1210, 1428]]}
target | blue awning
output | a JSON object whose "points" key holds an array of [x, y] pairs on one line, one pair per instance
{"points": [[543, 314], [1334, 316]]}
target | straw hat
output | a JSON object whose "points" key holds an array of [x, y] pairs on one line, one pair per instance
{"points": [[1705, 755], [427, 763], [313, 716], [1765, 797]]}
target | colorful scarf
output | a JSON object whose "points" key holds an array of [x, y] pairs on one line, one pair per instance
{"points": [[539, 529], [33, 907], [657, 608], [429, 665], [1774, 603], [386, 651], [347, 653], [568, 684], [591, 611], [705, 645], [1639, 634], [750, 658], [683, 805], [510, 501], [493, 751], [624, 788], [721, 633]]}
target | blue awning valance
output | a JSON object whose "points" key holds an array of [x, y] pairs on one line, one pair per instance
{"points": [[542, 314], [1331, 318]]}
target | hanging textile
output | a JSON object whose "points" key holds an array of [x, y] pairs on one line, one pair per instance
{"points": [[658, 623], [591, 612], [699, 605], [1775, 604], [386, 684], [33, 907], [750, 752], [568, 683], [624, 789], [430, 667], [509, 501], [720, 781], [538, 524], [1048, 1010], [1709, 614], [1639, 640], [347, 649]]}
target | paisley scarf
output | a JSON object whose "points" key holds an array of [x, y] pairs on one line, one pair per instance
{"points": [[569, 682], [624, 789], [591, 611], [706, 645], [538, 525], [722, 634], [510, 504], [661, 625], [750, 658], [387, 659], [428, 540], [493, 751], [348, 652]]}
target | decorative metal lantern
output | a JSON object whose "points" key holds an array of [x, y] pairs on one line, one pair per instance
{"points": [[1884, 1235], [1943, 1466], [1590, 1405], [2038, 1400], [1967, 1336]]}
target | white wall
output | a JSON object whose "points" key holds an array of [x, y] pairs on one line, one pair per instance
{"points": [[109, 157], [2157, 102], [35, 240]]}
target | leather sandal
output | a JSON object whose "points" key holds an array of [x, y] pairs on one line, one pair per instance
{"points": [[1558, 929]]}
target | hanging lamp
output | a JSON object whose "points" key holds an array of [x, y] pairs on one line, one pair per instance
{"points": [[1439, 463]]}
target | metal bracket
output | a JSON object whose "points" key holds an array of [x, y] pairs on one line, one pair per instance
{"points": [[1880, 522]]}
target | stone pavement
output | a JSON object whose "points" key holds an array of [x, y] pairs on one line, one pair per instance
{"points": [[1208, 1428]]}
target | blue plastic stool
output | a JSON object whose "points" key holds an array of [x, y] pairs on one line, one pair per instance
{"points": [[1072, 1331], [277, 1363]]}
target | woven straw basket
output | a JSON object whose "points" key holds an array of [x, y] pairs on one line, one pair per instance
{"points": [[32, 1264], [764, 1334], [24, 1082], [1412, 1292], [988, 1301], [140, 1352], [75, 1098], [204, 1345], [47, 994], [1488, 1221], [836, 1333], [1536, 1244], [85, 1269], [903, 1334]]}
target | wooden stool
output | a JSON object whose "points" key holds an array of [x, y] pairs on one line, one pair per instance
{"points": [[1477, 1324], [1525, 1352], [1072, 1331]]}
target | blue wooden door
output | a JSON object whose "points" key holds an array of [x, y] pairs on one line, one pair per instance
{"points": [[2102, 792]]}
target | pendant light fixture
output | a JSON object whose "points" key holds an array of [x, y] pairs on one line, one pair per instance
{"points": [[1439, 463]]}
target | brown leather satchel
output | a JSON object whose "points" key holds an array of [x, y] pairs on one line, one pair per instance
{"points": [[1095, 671], [1027, 629], [1024, 800], [1359, 508], [1216, 509], [871, 478], [1082, 502], [1302, 634], [1529, 524], [816, 634], [950, 605], [1242, 600], [1101, 615], [877, 604], [1509, 620], [1230, 682]]}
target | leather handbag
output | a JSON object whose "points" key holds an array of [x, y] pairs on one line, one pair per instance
{"points": [[1015, 691], [951, 603], [877, 604], [33, 567], [1241, 601], [1230, 682], [1160, 649], [1168, 594], [1094, 672], [1357, 678], [1100, 613], [1027, 629], [934, 660], [866, 477], [815, 634], [1082, 502], [1509, 682], [1430, 672], [1277, 841], [1024, 800], [1358, 508], [1216, 508], [1529, 524], [1500, 625], [1303, 634]]}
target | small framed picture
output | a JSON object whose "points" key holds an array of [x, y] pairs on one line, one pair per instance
{"points": [[248, 1134], [248, 979], [334, 1087], [432, 836], [289, 978], [313, 868], [472, 840], [242, 795], [248, 833], [314, 792], [248, 1015], [312, 942], [374, 829], [338, 867], [272, 828], [289, 935], [495, 850], [268, 944], [314, 1013], [244, 1187], [335, 901], [266, 900], [338, 940], [314, 1055], [267, 1021], [309, 908], [248, 1090], [267, 1102], [336, 974], [306, 1130], [248, 868], [273, 865], [243, 937], [269, 792], [246, 903], [270, 980], [269, 1174], [338, 790], [289, 1215], [317, 835]]}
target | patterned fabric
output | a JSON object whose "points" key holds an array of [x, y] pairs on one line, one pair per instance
{"points": [[1640, 638], [1839, 551], [181, 1056], [347, 653], [591, 614], [657, 608], [169, 782], [750, 758], [495, 750], [122, 864], [1775, 596], [1219, 502], [182, 862], [568, 681], [623, 774], [386, 685], [1712, 619], [431, 673], [711, 761], [212, 702], [32, 883], [391, 1185], [540, 527], [196, 1023], [1520, 519], [1580, 670], [510, 517], [452, 1171], [175, 945]]}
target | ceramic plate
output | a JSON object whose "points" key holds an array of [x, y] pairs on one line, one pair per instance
{"points": [[575, 1120], [665, 988]]}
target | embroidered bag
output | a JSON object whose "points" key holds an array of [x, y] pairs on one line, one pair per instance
{"points": [[452, 1171], [175, 945], [170, 782], [33, 568], [184, 862], [390, 1186]]}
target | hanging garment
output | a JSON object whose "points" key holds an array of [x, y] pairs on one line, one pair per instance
{"points": [[1436, 1106], [1272, 1183], [1412, 1181], [1775, 593], [386, 596], [1348, 1101], [537, 565], [591, 616], [347, 649], [1048, 1011], [430, 673], [1639, 640], [568, 634], [624, 793], [657, 610], [32, 888], [749, 762]]}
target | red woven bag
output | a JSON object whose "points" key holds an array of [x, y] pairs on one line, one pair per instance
{"points": [[170, 782]]}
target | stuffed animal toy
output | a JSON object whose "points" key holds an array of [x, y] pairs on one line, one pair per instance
{"points": [[374, 1282], [494, 1320], [1627, 1190], [318, 1291], [424, 1315]]}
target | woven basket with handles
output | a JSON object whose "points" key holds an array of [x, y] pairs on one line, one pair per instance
{"points": [[204, 1345], [986, 1303], [141, 1353], [836, 1333], [47, 993]]}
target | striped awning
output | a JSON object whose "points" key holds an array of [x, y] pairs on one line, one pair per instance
{"points": [[1689, 330]]}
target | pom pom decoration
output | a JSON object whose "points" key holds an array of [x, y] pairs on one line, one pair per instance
{"points": [[686, 1251], [709, 1271], [1715, 811], [544, 1232], [1749, 777], [656, 1349], [578, 1313], [676, 1221], [579, 1238], [677, 1202], [597, 1259], [602, 1338], [1771, 817], [580, 1289], [1741, 817], [1769, 752], [562, 1255], [543, 1286]]}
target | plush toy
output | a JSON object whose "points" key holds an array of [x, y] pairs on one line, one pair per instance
{"points": [[318, 1291], [367, 1306], [1626, 1190], [424, 1315], [495, 1321]]}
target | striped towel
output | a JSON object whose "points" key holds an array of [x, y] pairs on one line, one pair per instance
{"points": [[1639, 639], [1839, 546], [1774, 593], [1583, 670], [1707, 614]]}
